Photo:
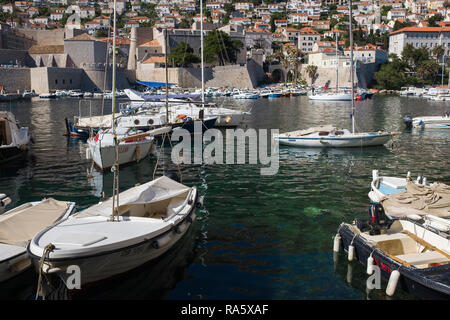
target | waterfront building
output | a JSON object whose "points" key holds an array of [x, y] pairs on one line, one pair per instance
{"points": [[428, 37], [307, 38]]}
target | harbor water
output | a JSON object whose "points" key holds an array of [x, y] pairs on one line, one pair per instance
{"points": [[257, 237]]}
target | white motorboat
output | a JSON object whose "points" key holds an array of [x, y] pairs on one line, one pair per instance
{"points": [[246, 95], [149, 220], [429, 122], [76, 93], [19, 225], [47, 95], [15, 141], [330, 137], [61, 93]]}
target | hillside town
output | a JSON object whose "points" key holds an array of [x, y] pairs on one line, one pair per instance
{"points": [[258, 42]]}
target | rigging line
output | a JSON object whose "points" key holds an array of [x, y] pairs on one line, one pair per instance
{"points": [[159, 154], [106, 65], [220, 52], [224, 47]]}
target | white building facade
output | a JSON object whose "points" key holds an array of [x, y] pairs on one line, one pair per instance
{"points": [[427, 37]]}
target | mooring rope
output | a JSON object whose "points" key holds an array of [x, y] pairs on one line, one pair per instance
{"points": [[48, 248]]}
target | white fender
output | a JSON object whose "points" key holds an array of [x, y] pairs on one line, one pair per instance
{"points": [[337, 243], [392, 284], [351, 252]]}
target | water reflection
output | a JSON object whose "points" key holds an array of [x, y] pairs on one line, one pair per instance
{"points": [[258, 237]]}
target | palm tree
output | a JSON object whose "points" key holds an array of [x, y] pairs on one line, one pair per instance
{"points": [[294, 56], [311, 70], [439, 52]]}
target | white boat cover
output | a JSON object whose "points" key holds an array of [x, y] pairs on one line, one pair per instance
{"points": [[104, 121], [17, 227], [154, 191], [304, 132], [419, 199]]}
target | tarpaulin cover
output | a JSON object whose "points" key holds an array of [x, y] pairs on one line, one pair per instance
{"points": [[19, 226], [419, 199]]}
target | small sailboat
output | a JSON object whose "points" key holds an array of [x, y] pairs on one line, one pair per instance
{"points": [[14, 140], [331, 96], [429, 122], [132, 145], [19, 225], [118, 145], [337, 95], [330, 137]]}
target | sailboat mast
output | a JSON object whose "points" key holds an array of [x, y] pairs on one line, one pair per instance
{"points": [[167, 76], [201, 49], [351, 61], [337, 64], [115, 202]]}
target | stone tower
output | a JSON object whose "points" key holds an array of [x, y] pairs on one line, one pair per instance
{"points": [[132, 53]]}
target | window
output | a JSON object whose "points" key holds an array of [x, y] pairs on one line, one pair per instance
{"points": [[56, 81]]}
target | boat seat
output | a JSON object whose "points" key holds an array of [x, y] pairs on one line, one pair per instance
{"points": [[424, 258], [175, 205]]}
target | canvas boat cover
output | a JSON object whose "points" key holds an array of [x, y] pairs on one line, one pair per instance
{"points": [[304, 132], [157, 190], [419, 199], [96, 121], [17, 227]]}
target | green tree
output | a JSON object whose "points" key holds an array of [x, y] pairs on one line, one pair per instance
{"points": [[414, 56], [384, 10], [388, 77], [221, 48], [435, 18], [428, 69], [183, 55]]}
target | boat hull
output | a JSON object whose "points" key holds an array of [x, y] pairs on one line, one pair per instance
{"points": [[335, 142], [9, 154], [106, 265], [104, 156], [411, 280], [331, 97]]}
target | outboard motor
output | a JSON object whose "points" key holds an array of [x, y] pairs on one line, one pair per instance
{"points": [[377, 218], [407, 120]]}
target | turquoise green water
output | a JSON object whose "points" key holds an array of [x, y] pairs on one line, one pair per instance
{"points": [[258, 237]]}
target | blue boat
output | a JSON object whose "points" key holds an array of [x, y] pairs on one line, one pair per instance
{"points": [[275, 95]]}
